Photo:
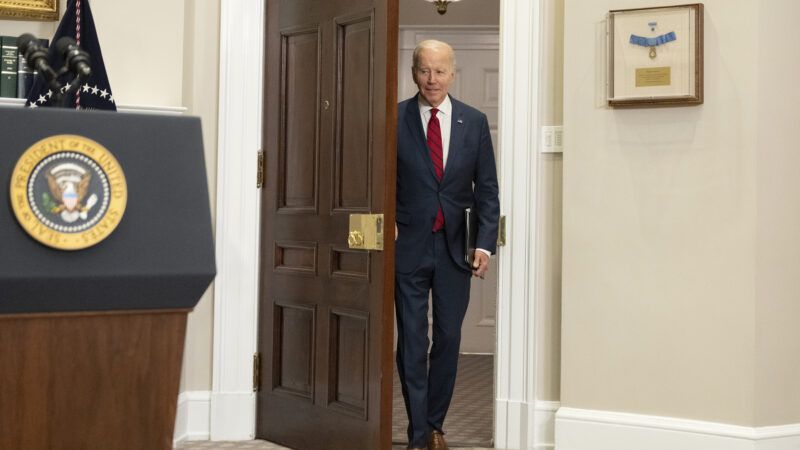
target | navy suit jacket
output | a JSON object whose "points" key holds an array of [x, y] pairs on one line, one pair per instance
{"points": [[470, 181]]}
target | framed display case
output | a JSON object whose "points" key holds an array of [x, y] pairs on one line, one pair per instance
{"points": [[655, 56]]}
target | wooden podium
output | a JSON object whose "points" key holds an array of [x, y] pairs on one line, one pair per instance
{"points": [[91, 340]]}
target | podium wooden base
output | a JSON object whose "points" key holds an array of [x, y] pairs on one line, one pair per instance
{"points": [[85, 381]]}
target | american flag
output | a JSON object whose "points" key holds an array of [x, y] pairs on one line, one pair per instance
{"points": [[95, 92]]}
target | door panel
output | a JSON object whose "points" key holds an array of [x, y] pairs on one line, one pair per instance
{"points": [[293, 356], [353, 137], [299, 149], [326, 311]]}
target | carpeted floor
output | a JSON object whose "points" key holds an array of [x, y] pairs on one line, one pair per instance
{"points": [[470, 419], [262, 445]]}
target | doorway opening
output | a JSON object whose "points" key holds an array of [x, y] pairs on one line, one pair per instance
{"points": [[472, 29]]}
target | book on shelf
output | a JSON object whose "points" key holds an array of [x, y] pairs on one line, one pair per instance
{"points": [[8, 67]]}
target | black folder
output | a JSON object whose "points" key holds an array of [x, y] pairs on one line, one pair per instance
{"points": [[470, 234]]}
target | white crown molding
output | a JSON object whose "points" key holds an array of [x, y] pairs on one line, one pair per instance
{"points": [[193, 417], [606, 430], [238, 216], [516, 368]]}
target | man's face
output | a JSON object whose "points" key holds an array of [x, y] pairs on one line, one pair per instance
{"points": [[433, 75]]}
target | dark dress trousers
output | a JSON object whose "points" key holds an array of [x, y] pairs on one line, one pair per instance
{"points": [[428, 262]]}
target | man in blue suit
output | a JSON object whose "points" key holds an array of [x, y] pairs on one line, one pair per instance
{"points": [[445, 164]]}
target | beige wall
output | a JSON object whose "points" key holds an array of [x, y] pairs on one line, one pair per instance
{"points": [[143, 45], [778, 238], [200, 77], [680, 271], [548, 312], [467, 12]]}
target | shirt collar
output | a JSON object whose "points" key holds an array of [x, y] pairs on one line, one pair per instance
{"points": [[446, 107]]}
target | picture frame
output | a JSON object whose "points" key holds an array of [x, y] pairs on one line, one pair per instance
{"points": [[655, 56], [38, 10]]}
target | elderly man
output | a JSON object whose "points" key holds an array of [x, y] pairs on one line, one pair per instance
{"points": [[445, 164]]}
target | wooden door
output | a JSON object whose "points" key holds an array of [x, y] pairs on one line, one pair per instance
{"points": [[326, 312], [477, 84]]}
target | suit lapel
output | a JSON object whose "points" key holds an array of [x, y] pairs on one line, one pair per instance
{"points": [[457, 125], [414, 122]]}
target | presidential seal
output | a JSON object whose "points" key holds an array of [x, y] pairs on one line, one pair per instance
{"points": [[68, 192]]}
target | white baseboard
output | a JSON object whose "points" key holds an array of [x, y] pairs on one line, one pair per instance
{"points": [[233, 416], [544, 423], [525, 425], [192, 420], [581, 429]]}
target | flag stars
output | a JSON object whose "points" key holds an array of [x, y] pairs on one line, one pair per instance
{"points": [[86, 87], [42, 99], [95, 89], [111, 99], [49, 93], [103, 93]]}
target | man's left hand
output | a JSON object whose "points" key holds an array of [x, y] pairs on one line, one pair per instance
{"points": [[480, 265]]}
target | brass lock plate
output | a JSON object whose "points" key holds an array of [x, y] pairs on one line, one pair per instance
{"points": [[501, 232], [366, 232]]}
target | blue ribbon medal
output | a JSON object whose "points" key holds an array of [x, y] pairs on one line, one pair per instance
{"points": [[653, 42]]}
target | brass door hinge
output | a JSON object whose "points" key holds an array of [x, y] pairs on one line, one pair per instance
{"points": [[501, 232], [260, 169], [256, 372]]}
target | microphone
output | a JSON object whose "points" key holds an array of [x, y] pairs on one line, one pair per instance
{"points": [[75, 58], [35, 55]]}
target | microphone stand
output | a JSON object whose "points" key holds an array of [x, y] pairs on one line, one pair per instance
{"points": [[61, 94], [76, 60]]}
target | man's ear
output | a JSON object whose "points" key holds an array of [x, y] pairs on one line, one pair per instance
{"points": [[414, 74]]}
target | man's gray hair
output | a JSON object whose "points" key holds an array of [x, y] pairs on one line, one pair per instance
{"points": [[433, 44]]}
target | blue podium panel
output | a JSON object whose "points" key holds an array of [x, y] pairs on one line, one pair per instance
{"points": [[160, 255]]}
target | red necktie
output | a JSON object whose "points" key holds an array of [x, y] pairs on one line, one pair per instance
{"points": [[435, 149]]}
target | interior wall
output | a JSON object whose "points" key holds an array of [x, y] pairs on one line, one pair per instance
{"points": [[550, 177], [200, 76], [143, 44], [777, 263], [659, 229]]}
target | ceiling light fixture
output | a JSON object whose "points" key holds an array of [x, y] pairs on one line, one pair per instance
{"points": [[441, 5]]}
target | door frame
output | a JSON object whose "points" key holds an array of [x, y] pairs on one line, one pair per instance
{"points": [[232, 414]]}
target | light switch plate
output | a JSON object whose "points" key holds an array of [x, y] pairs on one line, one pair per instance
{"points": [[552, 139]]}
